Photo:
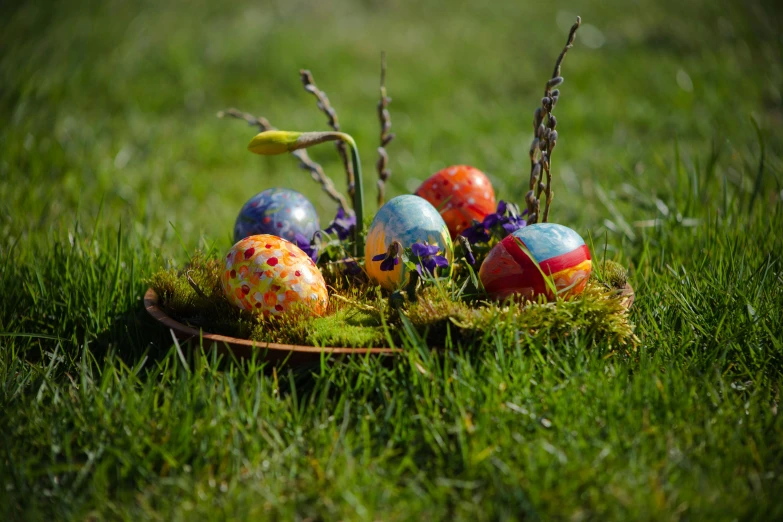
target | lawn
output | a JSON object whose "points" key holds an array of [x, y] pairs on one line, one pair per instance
{"points": [[114, 165]]}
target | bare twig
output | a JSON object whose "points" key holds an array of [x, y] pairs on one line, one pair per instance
{"points": [[545, 139], [262, 123], [195, 286], [384, 172], [305, 162], [322, 101]]}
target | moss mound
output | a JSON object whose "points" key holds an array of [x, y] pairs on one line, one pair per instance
{"points": [[360, 315]]}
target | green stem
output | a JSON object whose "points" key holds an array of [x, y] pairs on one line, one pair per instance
{"points": [[358, 195], [272, 142], [308, 139]]}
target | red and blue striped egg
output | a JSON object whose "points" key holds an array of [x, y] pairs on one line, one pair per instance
{"points": [[517, 265]]}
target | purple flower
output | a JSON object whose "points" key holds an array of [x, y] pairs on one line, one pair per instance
{"points": [[476, 233], [423, 249], [497, 217], [514, 220], [514, 224], [507, 216], [308, 247], [352, 267], [391, 258], [387, 263], [431, 263], [342, 225], [428, 257]]}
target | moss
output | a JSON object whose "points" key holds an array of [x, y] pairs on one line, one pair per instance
{"points": [[346, 328], [596, 314], [610, 273], [194, 296], [342, 325]]}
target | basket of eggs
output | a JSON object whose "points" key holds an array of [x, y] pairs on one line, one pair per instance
{"points": [[445, 266]]}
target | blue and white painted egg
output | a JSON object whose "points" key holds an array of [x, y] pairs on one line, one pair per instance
{"points": [[278, 212], [408, 219]]}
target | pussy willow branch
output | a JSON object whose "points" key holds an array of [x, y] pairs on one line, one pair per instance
{"points": [[384, 172], [305, 162], [545, 140], [322, 101]]}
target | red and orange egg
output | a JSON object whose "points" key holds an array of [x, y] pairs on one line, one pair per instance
{"points": [[461, 193]]}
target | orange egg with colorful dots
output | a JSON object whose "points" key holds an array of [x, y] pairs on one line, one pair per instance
{"points": [[461, 194], [268, 275]]}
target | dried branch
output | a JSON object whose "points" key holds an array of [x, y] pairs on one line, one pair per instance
{"points": [[545, 140], [195, 286], [322, 101], [262, 123], [384, 172], [305, 162]]}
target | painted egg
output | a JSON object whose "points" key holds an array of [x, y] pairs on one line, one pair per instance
{"points": [[558, 251], [462, 194], [267, 274], [408, 219], [278, 212]]}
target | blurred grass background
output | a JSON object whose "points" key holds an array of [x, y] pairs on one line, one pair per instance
{"points": [[117, 100], [113, 164]]}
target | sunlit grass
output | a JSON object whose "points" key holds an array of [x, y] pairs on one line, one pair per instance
{"points": [[113, 166]]}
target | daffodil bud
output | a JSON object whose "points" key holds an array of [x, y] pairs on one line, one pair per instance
{"points": [[272, 142]]}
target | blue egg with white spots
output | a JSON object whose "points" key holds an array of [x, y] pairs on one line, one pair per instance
{"points": [[408, 219], [279, 212]]}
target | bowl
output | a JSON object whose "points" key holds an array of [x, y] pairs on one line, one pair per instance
{"points": [[244, 348]]}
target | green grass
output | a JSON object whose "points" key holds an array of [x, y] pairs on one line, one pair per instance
{"points": [[113, 166]]}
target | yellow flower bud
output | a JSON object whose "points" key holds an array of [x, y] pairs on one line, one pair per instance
{"points": [[274, 142]]}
